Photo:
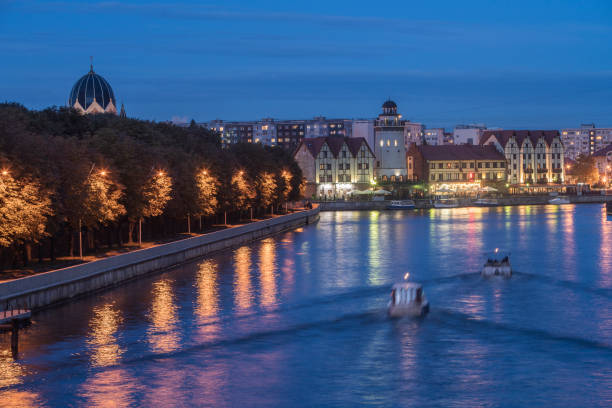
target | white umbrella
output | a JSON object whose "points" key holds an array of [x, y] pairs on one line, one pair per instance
{"points": [[443, 190], [382, 192], [489, 189], [362, 192]]}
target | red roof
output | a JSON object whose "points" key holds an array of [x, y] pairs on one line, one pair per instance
{"points": [[460, 152], [520, 135]]}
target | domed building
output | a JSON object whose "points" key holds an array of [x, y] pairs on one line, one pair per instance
{"points": [[92, 94], [389, 145]]}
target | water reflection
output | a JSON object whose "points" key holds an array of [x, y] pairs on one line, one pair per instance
{"points": [[102, 328], [243, 294], [11, 372], [267, 261], [163, 335], [374, 251], [20, 399], [113, 387], [207, 300]]}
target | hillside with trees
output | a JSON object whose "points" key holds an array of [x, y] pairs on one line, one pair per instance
{"points": [[102, 175]]}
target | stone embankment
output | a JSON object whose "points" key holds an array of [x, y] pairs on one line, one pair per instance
{"points": [[45, 289], [463, 202]]}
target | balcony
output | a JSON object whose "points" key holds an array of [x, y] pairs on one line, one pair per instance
{"points": [[544, 170]]}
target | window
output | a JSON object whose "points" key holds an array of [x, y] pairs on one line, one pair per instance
{"points": [[480, 165], [347, 166], [322, 166], [358, 166], [463, 165], [440, 176], [432, 166], [471, 165], [448, 165], [321, 179], [340, 166], [433, 176], [328, 166], [487, 165], [440, 165], [329, 178], [366, 165]]}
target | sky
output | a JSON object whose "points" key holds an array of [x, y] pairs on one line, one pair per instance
{"points": [[512, 64]]}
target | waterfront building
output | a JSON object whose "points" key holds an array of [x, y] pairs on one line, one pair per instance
{"points": [[585, 140], [468, 134], [334, 166], [389, 145], [92, 94], [534, 156], [455, 168], [603, 162]]}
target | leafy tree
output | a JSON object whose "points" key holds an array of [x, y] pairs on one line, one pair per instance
{"points": [[207, 192], [24, 208], [584, 169]]}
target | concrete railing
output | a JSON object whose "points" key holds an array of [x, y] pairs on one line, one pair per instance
{"points": [[50, 287]]}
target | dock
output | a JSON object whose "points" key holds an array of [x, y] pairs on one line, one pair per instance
{"points": [[7, 316]]}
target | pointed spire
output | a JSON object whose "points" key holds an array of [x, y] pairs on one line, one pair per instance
{"points": [[122, 114], [91, 64]]}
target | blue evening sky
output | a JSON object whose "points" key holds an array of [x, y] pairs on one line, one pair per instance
{"points": [[514, 64]]}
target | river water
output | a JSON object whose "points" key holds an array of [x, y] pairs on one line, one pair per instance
{"points": [[299, 319]]}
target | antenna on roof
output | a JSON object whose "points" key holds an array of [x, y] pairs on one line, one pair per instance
{"points": [[91, 63]]}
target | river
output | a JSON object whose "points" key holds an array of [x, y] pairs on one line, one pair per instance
{"points": [[299, 319]]}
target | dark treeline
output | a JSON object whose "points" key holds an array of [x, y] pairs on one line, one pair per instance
{"points": [[61, 173]]}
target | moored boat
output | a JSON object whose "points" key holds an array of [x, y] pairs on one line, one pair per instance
{"points": [[408, 299], [486, 202], [446, 203], [497, 264], [559, 200], [401, 205]]}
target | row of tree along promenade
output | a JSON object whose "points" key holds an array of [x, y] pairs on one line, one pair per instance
{"points": [[73, 185]]}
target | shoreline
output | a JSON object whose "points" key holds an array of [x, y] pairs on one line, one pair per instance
{"points": [[421, 204], [49, 288]]}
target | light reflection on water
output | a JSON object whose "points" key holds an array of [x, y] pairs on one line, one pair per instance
{"points": [[267, 323]]}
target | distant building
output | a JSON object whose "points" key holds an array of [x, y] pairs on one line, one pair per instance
{"points": [[468, 134], [364, 128], [534, 156], [585, 140], [389, 147], [92, 94], [334, 166], [434, 136], [322, 127], [413, 133], [458, 169]]}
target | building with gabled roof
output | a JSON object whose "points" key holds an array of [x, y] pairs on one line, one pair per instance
{"points": [[534, 156], [334, 166], [603, 162]]}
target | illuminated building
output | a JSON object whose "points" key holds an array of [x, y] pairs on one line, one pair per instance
{"points": [[603, 162], [333, 166], [93, 94], [585, 140], [468, 134], [534, 156], [457, 168], [389, 145]]}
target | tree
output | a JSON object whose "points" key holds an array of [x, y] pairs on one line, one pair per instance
{"points": [[207, 192], [265, 189], [24, 209], [584, 169]]}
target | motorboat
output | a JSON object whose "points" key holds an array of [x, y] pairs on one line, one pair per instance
{"points": [[497, 264], [486, 202], [408, 299], [559, 200], [401, 205], [446, 203]]}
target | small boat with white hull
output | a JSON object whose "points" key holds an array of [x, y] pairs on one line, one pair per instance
{"points": [[446, 203], [559, 200], [486, 202], [497, 264], [401, 205], [408, 299]]}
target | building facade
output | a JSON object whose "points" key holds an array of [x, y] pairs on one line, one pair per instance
{"points": [[534, 156], [585, 140], [363, 128], [334, 166], [389, 147], [433, 137], [413, 133], [322, 127], [468, 134], [455, 168], [603, 162]]}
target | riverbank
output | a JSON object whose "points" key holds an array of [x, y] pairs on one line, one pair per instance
{"points": [[44, 289], [463, 202]]}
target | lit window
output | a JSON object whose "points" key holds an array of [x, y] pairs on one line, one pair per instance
{"points": [[388, 142], [382, 143]]}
